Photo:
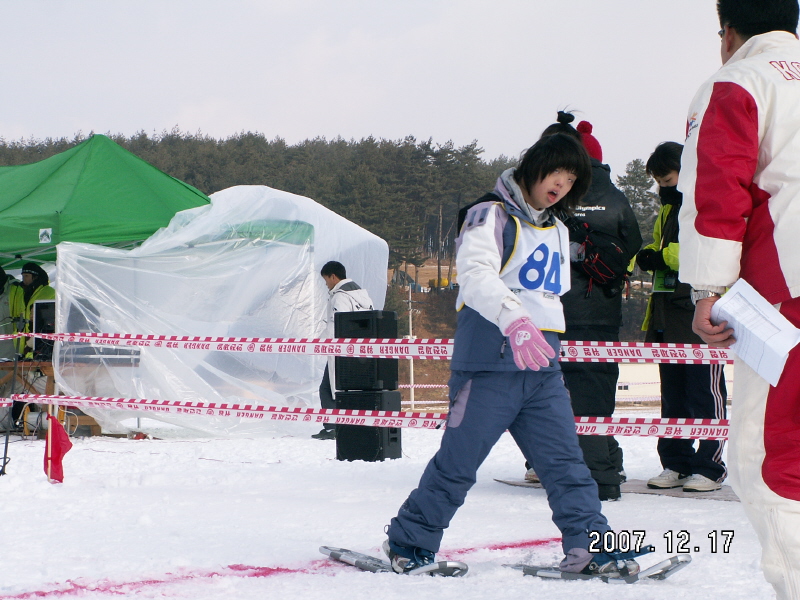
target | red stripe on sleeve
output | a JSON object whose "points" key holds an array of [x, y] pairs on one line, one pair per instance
{"points": [[761, 266], [727, 155]]}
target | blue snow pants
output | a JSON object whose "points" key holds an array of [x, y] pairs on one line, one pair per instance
{"points": [[534, 406]]}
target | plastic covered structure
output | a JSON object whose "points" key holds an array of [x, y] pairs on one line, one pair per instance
{"points": [[247, 265]]}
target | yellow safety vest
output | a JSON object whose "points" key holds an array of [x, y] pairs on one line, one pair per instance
{"points": [[18, 308]]}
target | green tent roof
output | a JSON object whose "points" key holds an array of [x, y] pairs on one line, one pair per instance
{"points": [[96, 192]]}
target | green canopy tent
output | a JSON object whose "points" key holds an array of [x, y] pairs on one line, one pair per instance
{"points": [[96, 192]]}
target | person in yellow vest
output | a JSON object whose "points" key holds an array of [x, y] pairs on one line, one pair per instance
{"points": [[687, 391], [35, 286]]}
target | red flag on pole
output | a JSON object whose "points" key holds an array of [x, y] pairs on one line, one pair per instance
{"points": [[57, 444]]}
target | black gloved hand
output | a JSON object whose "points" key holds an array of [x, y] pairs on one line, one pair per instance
{"points": [[645, 259], [651, 260]]}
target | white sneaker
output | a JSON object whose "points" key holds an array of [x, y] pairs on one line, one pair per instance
{"points": [[668, 479], [700, 483], [531, 476]]}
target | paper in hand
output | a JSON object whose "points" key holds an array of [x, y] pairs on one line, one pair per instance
{"points": [[763, 335]]}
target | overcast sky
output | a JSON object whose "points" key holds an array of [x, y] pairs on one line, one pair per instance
{"points": [[462, 70]]}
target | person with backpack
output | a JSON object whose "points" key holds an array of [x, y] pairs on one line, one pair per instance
{"points": [[344, 295], [604, 238], [513, 265]]}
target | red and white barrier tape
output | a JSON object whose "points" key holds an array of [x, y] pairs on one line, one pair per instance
{"points": [[372, 418], [424, 386], [695, 429], [436, 349], [691, 429], [640, 352]]}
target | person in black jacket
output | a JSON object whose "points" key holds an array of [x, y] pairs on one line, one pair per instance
{"points": [[593, 306]]}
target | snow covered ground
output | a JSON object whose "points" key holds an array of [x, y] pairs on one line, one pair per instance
{"points": [[188, 517]]}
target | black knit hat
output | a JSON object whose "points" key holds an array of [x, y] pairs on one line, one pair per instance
{"points": [[33, 269]]}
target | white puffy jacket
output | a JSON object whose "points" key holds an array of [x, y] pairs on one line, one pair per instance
{"points": [[740, 173]]}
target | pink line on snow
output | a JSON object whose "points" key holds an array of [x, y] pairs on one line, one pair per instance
{"points": [[77, 588], [508, 546]]}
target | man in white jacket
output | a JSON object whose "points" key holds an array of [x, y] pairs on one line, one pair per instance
{"points": [[344, 295], [740, 178]]}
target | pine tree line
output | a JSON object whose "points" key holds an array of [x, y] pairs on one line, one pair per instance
{"points": [[406, 191]]}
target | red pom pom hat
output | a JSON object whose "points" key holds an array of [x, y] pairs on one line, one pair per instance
{"points": [[589, 141]]}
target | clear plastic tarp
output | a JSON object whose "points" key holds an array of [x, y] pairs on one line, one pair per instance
{"points": [[247, 265]]}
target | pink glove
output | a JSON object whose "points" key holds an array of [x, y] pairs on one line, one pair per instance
{"points": [[528, 344]]}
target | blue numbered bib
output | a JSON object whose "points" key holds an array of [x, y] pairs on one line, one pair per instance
{"points": [[538, 272]]}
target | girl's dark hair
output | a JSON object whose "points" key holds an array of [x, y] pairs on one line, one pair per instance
{"points": [[754, 17], [553, 152], [664, 159], [563, 126]]}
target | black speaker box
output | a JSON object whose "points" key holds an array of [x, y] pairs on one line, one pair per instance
{"points": [[370, 374], [365, 324], [365, 373], [371, 444]]}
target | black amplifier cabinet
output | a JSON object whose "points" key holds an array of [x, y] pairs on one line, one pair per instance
{"points": [[365, 373], [371, 444]]}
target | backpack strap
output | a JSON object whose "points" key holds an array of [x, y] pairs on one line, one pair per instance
{"points": [[475, 215]]}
